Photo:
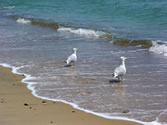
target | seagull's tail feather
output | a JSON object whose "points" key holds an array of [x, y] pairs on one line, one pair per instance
{"points": [[113, 75], [68, 61], [68, 64]]}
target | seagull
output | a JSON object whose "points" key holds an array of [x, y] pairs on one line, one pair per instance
{"points": [[72, 58], [120, 70]]}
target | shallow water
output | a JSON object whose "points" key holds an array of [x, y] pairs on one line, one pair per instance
{"points": [[41, 52]]}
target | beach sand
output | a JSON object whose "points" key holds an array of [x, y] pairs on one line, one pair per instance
{"points": [[19, 107]]}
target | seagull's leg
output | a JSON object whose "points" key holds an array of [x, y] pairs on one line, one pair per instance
{"points": [[118, 77], [121, 78]]}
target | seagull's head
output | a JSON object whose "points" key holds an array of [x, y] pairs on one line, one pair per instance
{"points": [[75, 49], [123, 58]]}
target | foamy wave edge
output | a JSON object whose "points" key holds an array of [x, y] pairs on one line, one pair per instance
{"points": [[8, 7], [29, 86], [159, 47], [91, 33], [82, 31], [23, 21]]}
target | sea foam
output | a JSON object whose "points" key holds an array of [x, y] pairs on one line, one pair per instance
{"points": [[9, 7], [90, 33], [23, 21], [84, 32], [157, 48]]}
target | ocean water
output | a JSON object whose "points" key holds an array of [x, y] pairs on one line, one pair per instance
{"points": [[37, 36]]}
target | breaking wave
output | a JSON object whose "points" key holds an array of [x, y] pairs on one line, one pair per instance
{"points": [[159, 47], [7, 7], [92, 33], [23, 21], [84, 32]]}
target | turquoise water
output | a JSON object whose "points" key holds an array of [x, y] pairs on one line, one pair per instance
{"points": [[37, 36], [137, 19]]}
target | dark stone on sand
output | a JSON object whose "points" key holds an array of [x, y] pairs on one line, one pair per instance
{"points": [[124, 42], [73, 111], [51, 121], [44, 102], [126, 111], [25, 104]]}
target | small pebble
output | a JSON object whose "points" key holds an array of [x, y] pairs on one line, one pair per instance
{"points": [[125, 111], [51, 121], [25, 104], [73, 111], [44, 102]]}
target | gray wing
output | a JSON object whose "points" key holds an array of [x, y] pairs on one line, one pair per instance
{"points": [[71, 58], [119, 71]]}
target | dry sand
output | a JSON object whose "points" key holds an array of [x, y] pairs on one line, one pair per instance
{"points": [[19, 107]]}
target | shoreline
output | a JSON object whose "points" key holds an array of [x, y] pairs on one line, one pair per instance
{"points": [[18, 106]]}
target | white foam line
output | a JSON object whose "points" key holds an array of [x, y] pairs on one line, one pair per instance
{"points": [[27, 76], [157, 48], [9, 7], [84, 32], [23, 21], [29, 86]]}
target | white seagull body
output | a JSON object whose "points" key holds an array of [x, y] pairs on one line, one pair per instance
{"points": [[120, 71], [72, 58]]}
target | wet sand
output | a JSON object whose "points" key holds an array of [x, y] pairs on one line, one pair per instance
{"points": [[19, 107]]}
